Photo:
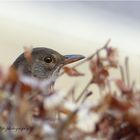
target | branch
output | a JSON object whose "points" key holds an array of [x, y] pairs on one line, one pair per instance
{"points": [[90, 57], [82, 93]]}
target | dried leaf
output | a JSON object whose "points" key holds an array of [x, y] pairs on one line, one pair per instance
{"points": [[15, 84], [12, 76], [112, 56], [89, 94], [25, 88], [100, 77], [28, 54], [39, 111], [109, 102], [119, 104], [72, 71], [133, 117], [123, 87], [125, 131], [93, 66], [11, 80]]}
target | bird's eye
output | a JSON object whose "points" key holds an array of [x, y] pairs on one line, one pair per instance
{"points": [[48, 59]]}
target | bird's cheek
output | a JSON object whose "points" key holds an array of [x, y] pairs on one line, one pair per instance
{"points": [[49, 67], [39, 70]]}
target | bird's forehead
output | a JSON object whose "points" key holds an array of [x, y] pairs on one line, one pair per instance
{"points": [[43, 52]]}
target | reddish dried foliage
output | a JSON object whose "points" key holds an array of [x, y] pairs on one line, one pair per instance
{"points": [[25, 105], [72, 71]]}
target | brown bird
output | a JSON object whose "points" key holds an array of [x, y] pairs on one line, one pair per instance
{"points": [[46, 63]]}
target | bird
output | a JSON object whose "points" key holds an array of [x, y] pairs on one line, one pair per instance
{"points": [[46, 63]]}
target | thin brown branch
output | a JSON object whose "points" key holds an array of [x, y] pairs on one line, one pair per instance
{"points": [[83, 91], [122, 73], [86, 96], [127, 71], [91, 56]]}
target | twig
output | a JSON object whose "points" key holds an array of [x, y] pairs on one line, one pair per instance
{"points": [[122, 73], [82, 93], [109, 86], [87, 59], [90, 57], [127, 71], [86, 96], [133, 84]]}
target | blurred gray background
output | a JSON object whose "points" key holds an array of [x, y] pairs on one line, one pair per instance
{"points": [[70, 27]]}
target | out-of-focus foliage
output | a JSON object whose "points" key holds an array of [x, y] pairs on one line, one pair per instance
{"points": [[29, 111]]}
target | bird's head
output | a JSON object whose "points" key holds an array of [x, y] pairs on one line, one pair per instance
{"points": [[46, 63]]}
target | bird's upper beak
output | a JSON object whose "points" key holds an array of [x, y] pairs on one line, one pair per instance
{"points": [[72, 58]]}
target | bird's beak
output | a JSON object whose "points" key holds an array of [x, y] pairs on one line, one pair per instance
{"points": [[72, 58]]}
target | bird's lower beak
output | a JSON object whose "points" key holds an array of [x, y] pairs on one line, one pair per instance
{"points": [[72, 58]]}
